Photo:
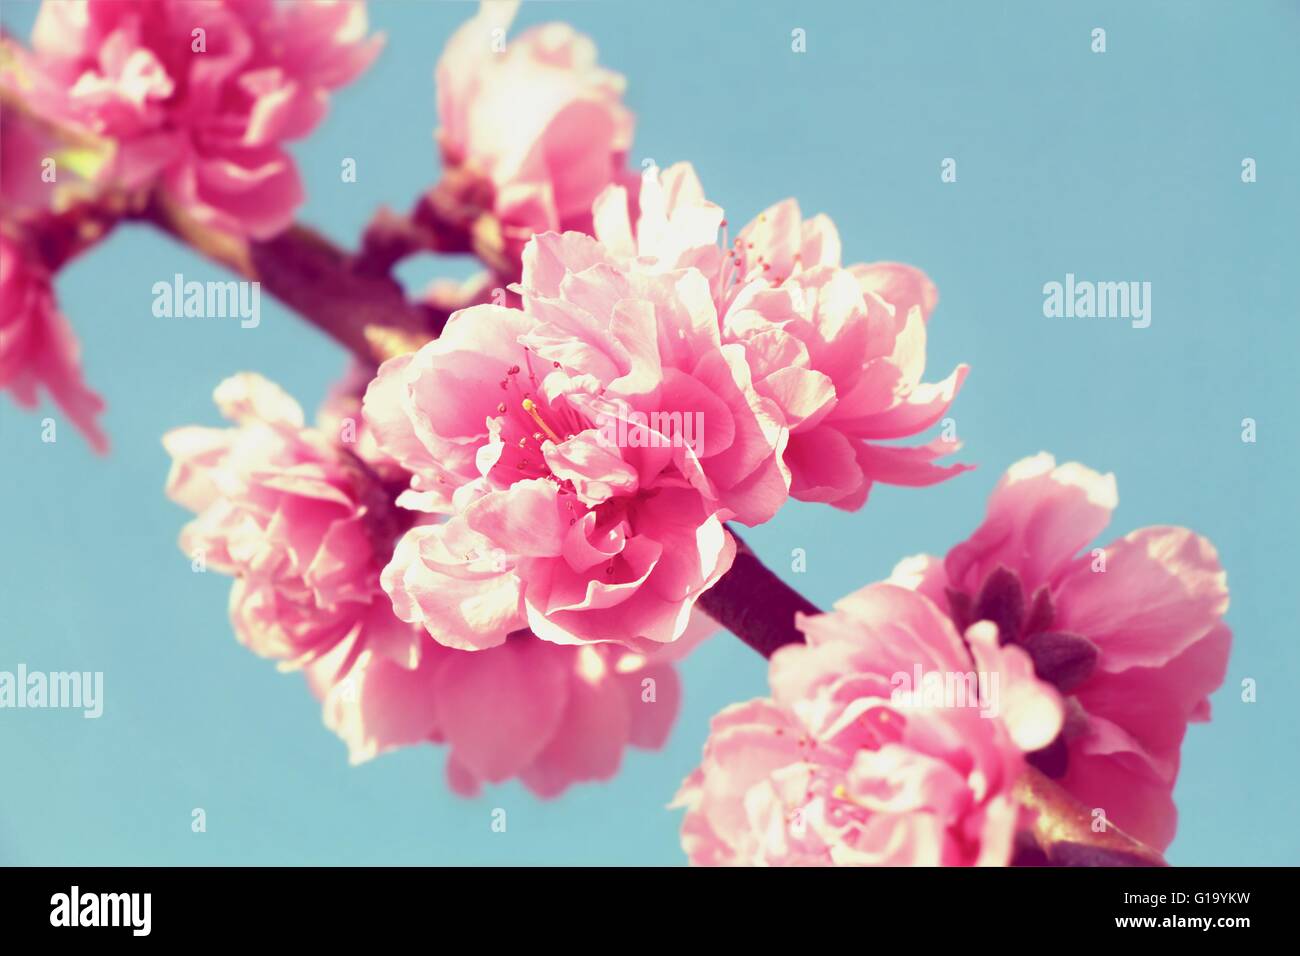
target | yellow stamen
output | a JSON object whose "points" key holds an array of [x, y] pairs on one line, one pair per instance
{"points": [[531, 408]]}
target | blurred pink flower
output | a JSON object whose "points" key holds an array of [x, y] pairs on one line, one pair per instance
{"points": [[536, 118], [340, 417], [201, 96], [38, 349], [841, 351], [550, 716], [304, 526], [29, 172], [573, 511], [847, 765], [1131, 633]]}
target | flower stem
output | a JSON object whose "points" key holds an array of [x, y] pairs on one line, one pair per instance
{"points": [[756, 605]]}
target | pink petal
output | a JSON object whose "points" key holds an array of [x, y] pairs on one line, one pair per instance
{"points": [[1162, 591], [1039, 516], [500, 708], [902, 286], [588, 744]]}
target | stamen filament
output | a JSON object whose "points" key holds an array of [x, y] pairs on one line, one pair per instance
{"points": [[531, 408]]}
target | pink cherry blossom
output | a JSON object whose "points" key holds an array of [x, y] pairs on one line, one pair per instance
{"points": [[1132, 633], [841, 351], [547, 715], [578, 506], [38, 349], [652, 339], [201, 96], [303, 518], [537, 119], [304, 526], [842, 766]]}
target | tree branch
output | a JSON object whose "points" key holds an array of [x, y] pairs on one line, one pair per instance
{"points": [[454, 217], [756, 605], [367, 314]]}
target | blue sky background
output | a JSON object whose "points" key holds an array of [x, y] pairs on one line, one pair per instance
{"points": [[1116, 166]]}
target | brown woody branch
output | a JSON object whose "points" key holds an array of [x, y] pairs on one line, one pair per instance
{"points": [[756, 605], [364, 313], [452, 218]]}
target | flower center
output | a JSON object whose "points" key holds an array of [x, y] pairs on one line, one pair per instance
{"points": [[740, 264], [526, 423]]}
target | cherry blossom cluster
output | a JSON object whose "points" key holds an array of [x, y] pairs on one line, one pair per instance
{"points": [[501, 539]]}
